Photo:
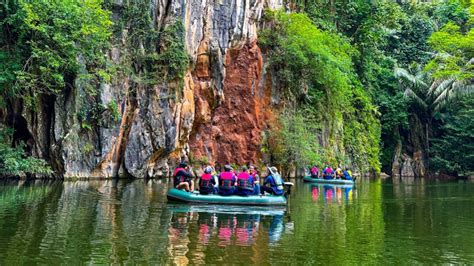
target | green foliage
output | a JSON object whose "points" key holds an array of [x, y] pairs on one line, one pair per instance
{"points": [[173, 59], [452, 11], [316, 72], [88, 148], [47, 48], [362, 131], [14, 161], [151, 55], [454, 49], [307, 58], [47, 43], [386, 34], [295, 142], [90, 114], [113, 109], [453, 150], [203, 160], [408, 43]]}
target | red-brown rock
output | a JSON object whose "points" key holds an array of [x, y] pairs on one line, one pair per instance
{"points": [[232, 132]]}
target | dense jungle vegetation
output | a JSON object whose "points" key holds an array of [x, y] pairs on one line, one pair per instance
{"points": [[46, 48], [381, 74], [400, 72]]}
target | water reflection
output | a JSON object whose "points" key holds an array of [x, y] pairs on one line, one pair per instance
{"points": [[130, 222], [208, 233], [226, 225], [82, 221], [333, 193]]}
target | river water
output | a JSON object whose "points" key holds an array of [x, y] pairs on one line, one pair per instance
{"points": [[131, 222]]}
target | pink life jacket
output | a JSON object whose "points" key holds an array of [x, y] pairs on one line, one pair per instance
{"points": [[314, 170], [205, 181], [177, 170], [243, 181], [225, 180], [328, 171], [181, 179]]}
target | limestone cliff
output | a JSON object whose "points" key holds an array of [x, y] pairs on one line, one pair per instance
{"points": [[217, 110], [410, 160]]}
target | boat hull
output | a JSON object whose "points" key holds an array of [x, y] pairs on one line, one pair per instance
{"points": [[183, 196], [328, 181]]}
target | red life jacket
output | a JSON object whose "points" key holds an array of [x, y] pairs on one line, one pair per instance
{"points": [[205, 181], [176, 171], [243, 181], [225, 180]]}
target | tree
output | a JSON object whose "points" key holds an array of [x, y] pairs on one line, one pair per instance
{"points": [[45, 44], [45, 48], [453, 150], [317, 77]]}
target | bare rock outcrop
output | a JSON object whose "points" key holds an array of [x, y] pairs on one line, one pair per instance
{"points": [[143, 130]]}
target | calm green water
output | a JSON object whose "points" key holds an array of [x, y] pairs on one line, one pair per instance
{"points": [[127, 222]]}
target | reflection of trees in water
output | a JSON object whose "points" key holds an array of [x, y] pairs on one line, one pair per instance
{"points": [[13, 193], [88, 221], [22, 210], [434, 215], [335, 224]]}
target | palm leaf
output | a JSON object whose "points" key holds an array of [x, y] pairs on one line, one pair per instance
{"points": [[456, 90], [410, 94], [442, 85], [404, 75]]}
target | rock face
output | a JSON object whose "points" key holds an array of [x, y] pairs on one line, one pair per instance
{"points": [[407, 167], [217, 111], [412, 164], [232, 132]]}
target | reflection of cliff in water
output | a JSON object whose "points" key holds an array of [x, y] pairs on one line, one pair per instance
{"points": [[209, 229]]}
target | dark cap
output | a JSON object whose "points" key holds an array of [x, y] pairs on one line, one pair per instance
{"points": [[183, 164]]}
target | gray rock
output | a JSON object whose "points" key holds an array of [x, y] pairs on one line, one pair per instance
{"points": [[407, 168], [154, 122]]}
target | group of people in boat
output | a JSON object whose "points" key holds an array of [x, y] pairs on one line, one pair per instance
{"points": [[329, 173], [245, 182]]}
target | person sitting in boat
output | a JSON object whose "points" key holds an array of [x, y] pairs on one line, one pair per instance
{"points": [[256, 180], [339, 174], [314, 172], [215, 176], [207, 182], [273, 182], [227, 181], [245, 183], [347, 174], [328, 173], [183, 179]]}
